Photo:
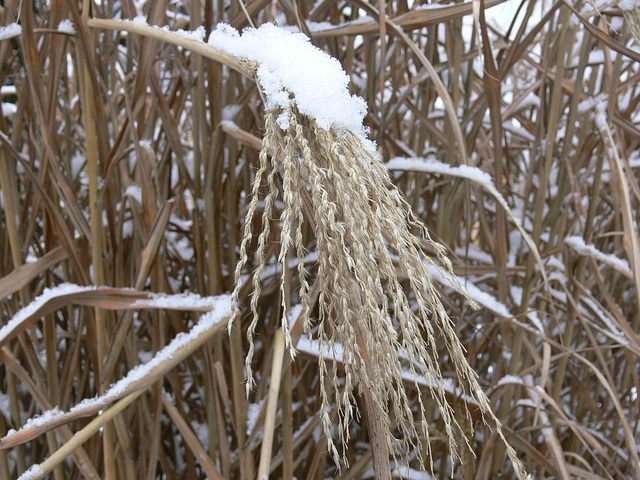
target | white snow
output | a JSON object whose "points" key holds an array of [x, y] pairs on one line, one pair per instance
{"points": [[179, 301], [35, 471], [47, 294], [431, 165], [473, 252], [510, 379], [253, 410], [591, 102], [134, 191], [404, 471], [230, 111], [77, 162], [483, 298], [628, 4], [66, 26], [8, 90], [578, 244], [8, 109], [5, 405], [40, 420], [10, 31], [289, 63], [197, 34], [140, 20]]}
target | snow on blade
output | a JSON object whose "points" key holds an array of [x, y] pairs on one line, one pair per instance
{"points": [[10, 31], [289, 63], [432, 165], [66, 26], [180, 301], [39, 420], [619, 264], [47, 294], [483, 298], [221, 309]]}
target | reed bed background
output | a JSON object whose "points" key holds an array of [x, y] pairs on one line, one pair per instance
{"points": [[128, 162]]}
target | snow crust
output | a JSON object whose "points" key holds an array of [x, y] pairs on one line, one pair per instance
{"points": [[628, 4], [290, 64], [47, 294], [179, 301], [40, 420], [481, 297], [434, 166], [10, 31], [66, 26], [35, 471], [619, 264]]}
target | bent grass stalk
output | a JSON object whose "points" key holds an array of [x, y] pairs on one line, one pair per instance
{"points": [[363, 229]]}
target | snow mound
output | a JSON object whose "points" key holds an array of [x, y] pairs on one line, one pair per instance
{"points": [[289, 63]]}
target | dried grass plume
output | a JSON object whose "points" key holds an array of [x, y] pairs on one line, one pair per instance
{"points": [[363, 228]]}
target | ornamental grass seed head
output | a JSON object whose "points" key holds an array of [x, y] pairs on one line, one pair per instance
{"points": [[363, 230]]}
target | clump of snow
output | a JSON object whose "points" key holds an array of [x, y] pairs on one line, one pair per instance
{"points": [[77, 162], [179, 301], [145, 143], [601, 117], [290, 64], [35, 471], [140, 20], [43, 419], [8, 90], [10, 31], [66, 26], [134, 191], [591, 102], [197, 34]]}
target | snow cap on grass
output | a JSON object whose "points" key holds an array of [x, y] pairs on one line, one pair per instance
{"points": [[289, 63], [10, 31]]}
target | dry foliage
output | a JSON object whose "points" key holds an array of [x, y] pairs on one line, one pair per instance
{"points": [[130, 162]]}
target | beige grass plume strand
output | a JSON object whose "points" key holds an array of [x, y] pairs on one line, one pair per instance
{"points": [[362, 225]]}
